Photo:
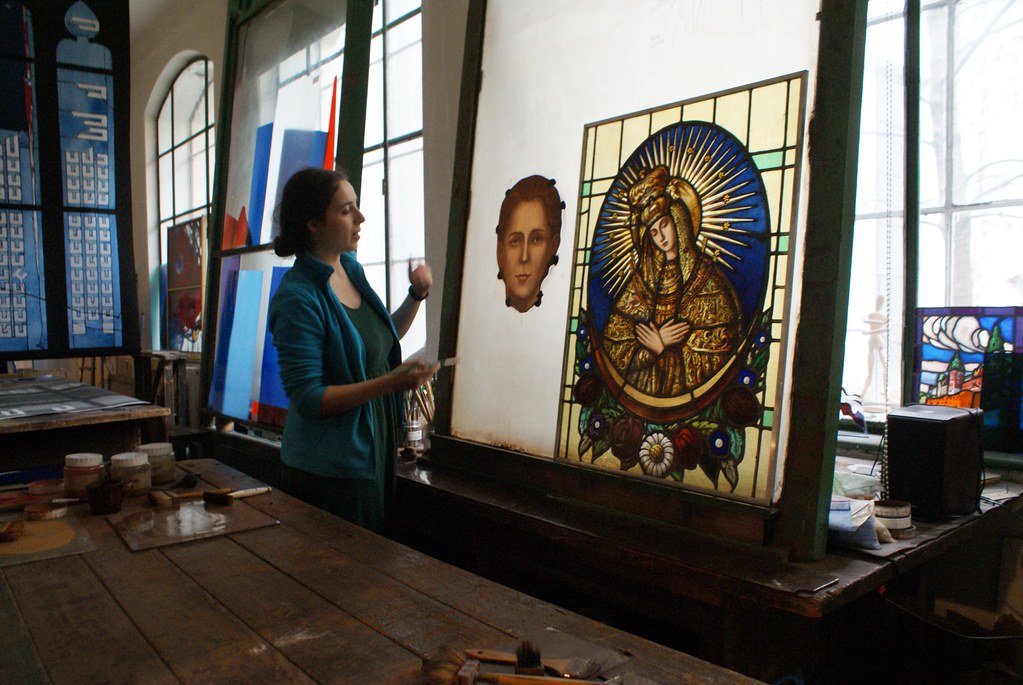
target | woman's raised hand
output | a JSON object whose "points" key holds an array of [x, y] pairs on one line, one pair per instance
{"points": [[420, 278]]}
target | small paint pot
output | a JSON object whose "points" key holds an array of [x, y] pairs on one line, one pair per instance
{"points": [[45, 511], [107, 496]]}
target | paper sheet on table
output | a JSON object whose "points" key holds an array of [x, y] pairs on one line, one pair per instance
{"points": [[849, 514]]}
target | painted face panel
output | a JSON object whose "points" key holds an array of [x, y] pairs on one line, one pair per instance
{"points": [[524, 254]]}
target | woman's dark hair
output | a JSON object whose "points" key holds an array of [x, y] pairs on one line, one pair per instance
{"points": [[305, 198], [533, 188]]}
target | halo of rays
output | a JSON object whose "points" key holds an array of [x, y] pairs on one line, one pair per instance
{"points": [[721, 172]]}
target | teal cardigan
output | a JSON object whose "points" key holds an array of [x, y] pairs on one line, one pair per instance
{"points": [[317, 345]]}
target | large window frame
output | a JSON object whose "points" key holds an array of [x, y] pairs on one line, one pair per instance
{"points": [[365, 34], [186, 154], [914, 215]]}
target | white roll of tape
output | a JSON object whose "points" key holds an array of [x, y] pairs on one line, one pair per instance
{"points": [[899, 523], [892, 508]]}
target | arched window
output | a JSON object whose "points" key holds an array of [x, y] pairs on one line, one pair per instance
{"points": [[184, 179]]}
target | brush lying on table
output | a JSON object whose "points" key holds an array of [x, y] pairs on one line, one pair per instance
{"points": [[461, 669], [226, 496]]}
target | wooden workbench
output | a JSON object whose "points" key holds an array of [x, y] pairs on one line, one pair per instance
{"points": [[44, 439], [312, 599], [743, 607]]}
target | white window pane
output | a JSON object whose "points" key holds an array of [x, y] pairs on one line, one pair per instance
{"points": [[933, 106], [405, 78], [880, 182], [164, 226], [415, 338], [166, 182], [378, 17], [931, 279], [372, 240], [292, 66], [182, 179], [986, 258], [375, 95], [874, 303], [376, 274], [211, 109], [211, 159], [189, 92], [198, 173], [878, 9], [399, 8], [163, 127], [405, 188], [332, 43], [988, 100]]}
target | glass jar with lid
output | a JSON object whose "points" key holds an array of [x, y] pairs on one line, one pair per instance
{"points": [[80, 469], [133, 468], [161, 460]]}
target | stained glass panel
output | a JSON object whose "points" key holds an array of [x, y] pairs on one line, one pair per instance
{"points": [[672, 364], [972, 357]]}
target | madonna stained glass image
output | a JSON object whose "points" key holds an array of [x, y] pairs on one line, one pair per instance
{"points": [[672, 361]]}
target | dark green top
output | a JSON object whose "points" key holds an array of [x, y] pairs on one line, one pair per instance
{"points": [[375, 497]]}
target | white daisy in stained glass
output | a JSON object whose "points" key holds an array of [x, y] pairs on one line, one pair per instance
{"points": [[657, 455]]}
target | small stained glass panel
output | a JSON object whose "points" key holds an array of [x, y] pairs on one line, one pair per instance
{"points": [[972, 357]]}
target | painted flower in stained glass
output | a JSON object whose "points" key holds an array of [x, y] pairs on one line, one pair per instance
{"points": [[596, 427], [719, 443], [657, 455], [740, 406], [689, 447], [626, 437], [587, 389]]}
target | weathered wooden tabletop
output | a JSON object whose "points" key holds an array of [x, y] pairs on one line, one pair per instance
{"points": [[312, 599]]}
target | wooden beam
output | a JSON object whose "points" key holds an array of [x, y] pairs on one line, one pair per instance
{"points": [[820, 333], [911, 222], [351, 130], [468, 99]]}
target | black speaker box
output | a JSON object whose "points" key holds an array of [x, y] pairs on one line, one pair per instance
{"points": [[935, 459]]}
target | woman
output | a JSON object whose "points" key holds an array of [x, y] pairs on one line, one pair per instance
{"points": [[528, 236], [678, 320], [339, 354]]}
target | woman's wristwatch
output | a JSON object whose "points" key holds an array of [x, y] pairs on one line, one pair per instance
{"points": [[416, 296]]}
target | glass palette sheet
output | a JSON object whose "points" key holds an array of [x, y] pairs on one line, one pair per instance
{"points": [[45, 540], [188, 521]]}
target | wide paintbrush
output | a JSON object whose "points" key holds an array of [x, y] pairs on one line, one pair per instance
{"points": [[457, 669]]}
